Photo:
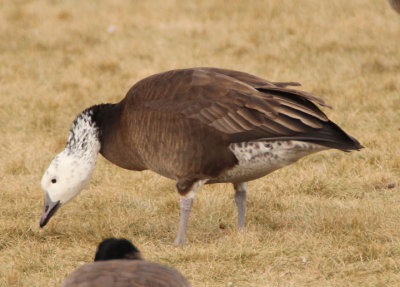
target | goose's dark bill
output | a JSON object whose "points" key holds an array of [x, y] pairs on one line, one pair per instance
{"points": [[50, 207]]}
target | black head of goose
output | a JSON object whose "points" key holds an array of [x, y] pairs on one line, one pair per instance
{"points": [[195, 126], [395, 5], [113, 248], [118, 263]]}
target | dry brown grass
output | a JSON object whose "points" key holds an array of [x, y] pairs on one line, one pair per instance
{"points": [[329, 220]]}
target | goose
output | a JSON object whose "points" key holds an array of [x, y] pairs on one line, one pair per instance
{"points": [[196, 126], [118, 263], [395, 5]]}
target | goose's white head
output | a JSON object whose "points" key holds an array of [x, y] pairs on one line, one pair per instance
{"points": [[70, 170]]}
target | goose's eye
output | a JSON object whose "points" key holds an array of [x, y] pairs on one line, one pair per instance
{"points": [[53, 180]]}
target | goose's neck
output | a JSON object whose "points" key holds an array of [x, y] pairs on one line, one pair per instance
{"points": [[96, 130], [84, 136], [88, 130]]}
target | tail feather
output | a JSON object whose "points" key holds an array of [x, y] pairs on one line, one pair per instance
{"points": [[330, 135]]}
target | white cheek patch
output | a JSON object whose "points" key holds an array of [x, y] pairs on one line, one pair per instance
{"points": [[74, 165], [72, 174]]}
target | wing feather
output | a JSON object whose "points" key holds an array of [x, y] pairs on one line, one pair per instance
{"points": [[237, 104]]}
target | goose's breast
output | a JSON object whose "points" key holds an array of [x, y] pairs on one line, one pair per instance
{"points": [[257, 159]]}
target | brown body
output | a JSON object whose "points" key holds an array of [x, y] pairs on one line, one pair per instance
{"points": [[180, 123], [125, 273], [196, 126]]}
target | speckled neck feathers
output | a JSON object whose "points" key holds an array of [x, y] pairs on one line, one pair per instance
{"points": [[84, 134]]}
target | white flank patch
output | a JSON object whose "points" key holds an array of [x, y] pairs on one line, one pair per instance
{"points": [[257, 159]]}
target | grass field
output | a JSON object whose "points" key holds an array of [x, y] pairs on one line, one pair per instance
{"points": [[332, 219]]}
